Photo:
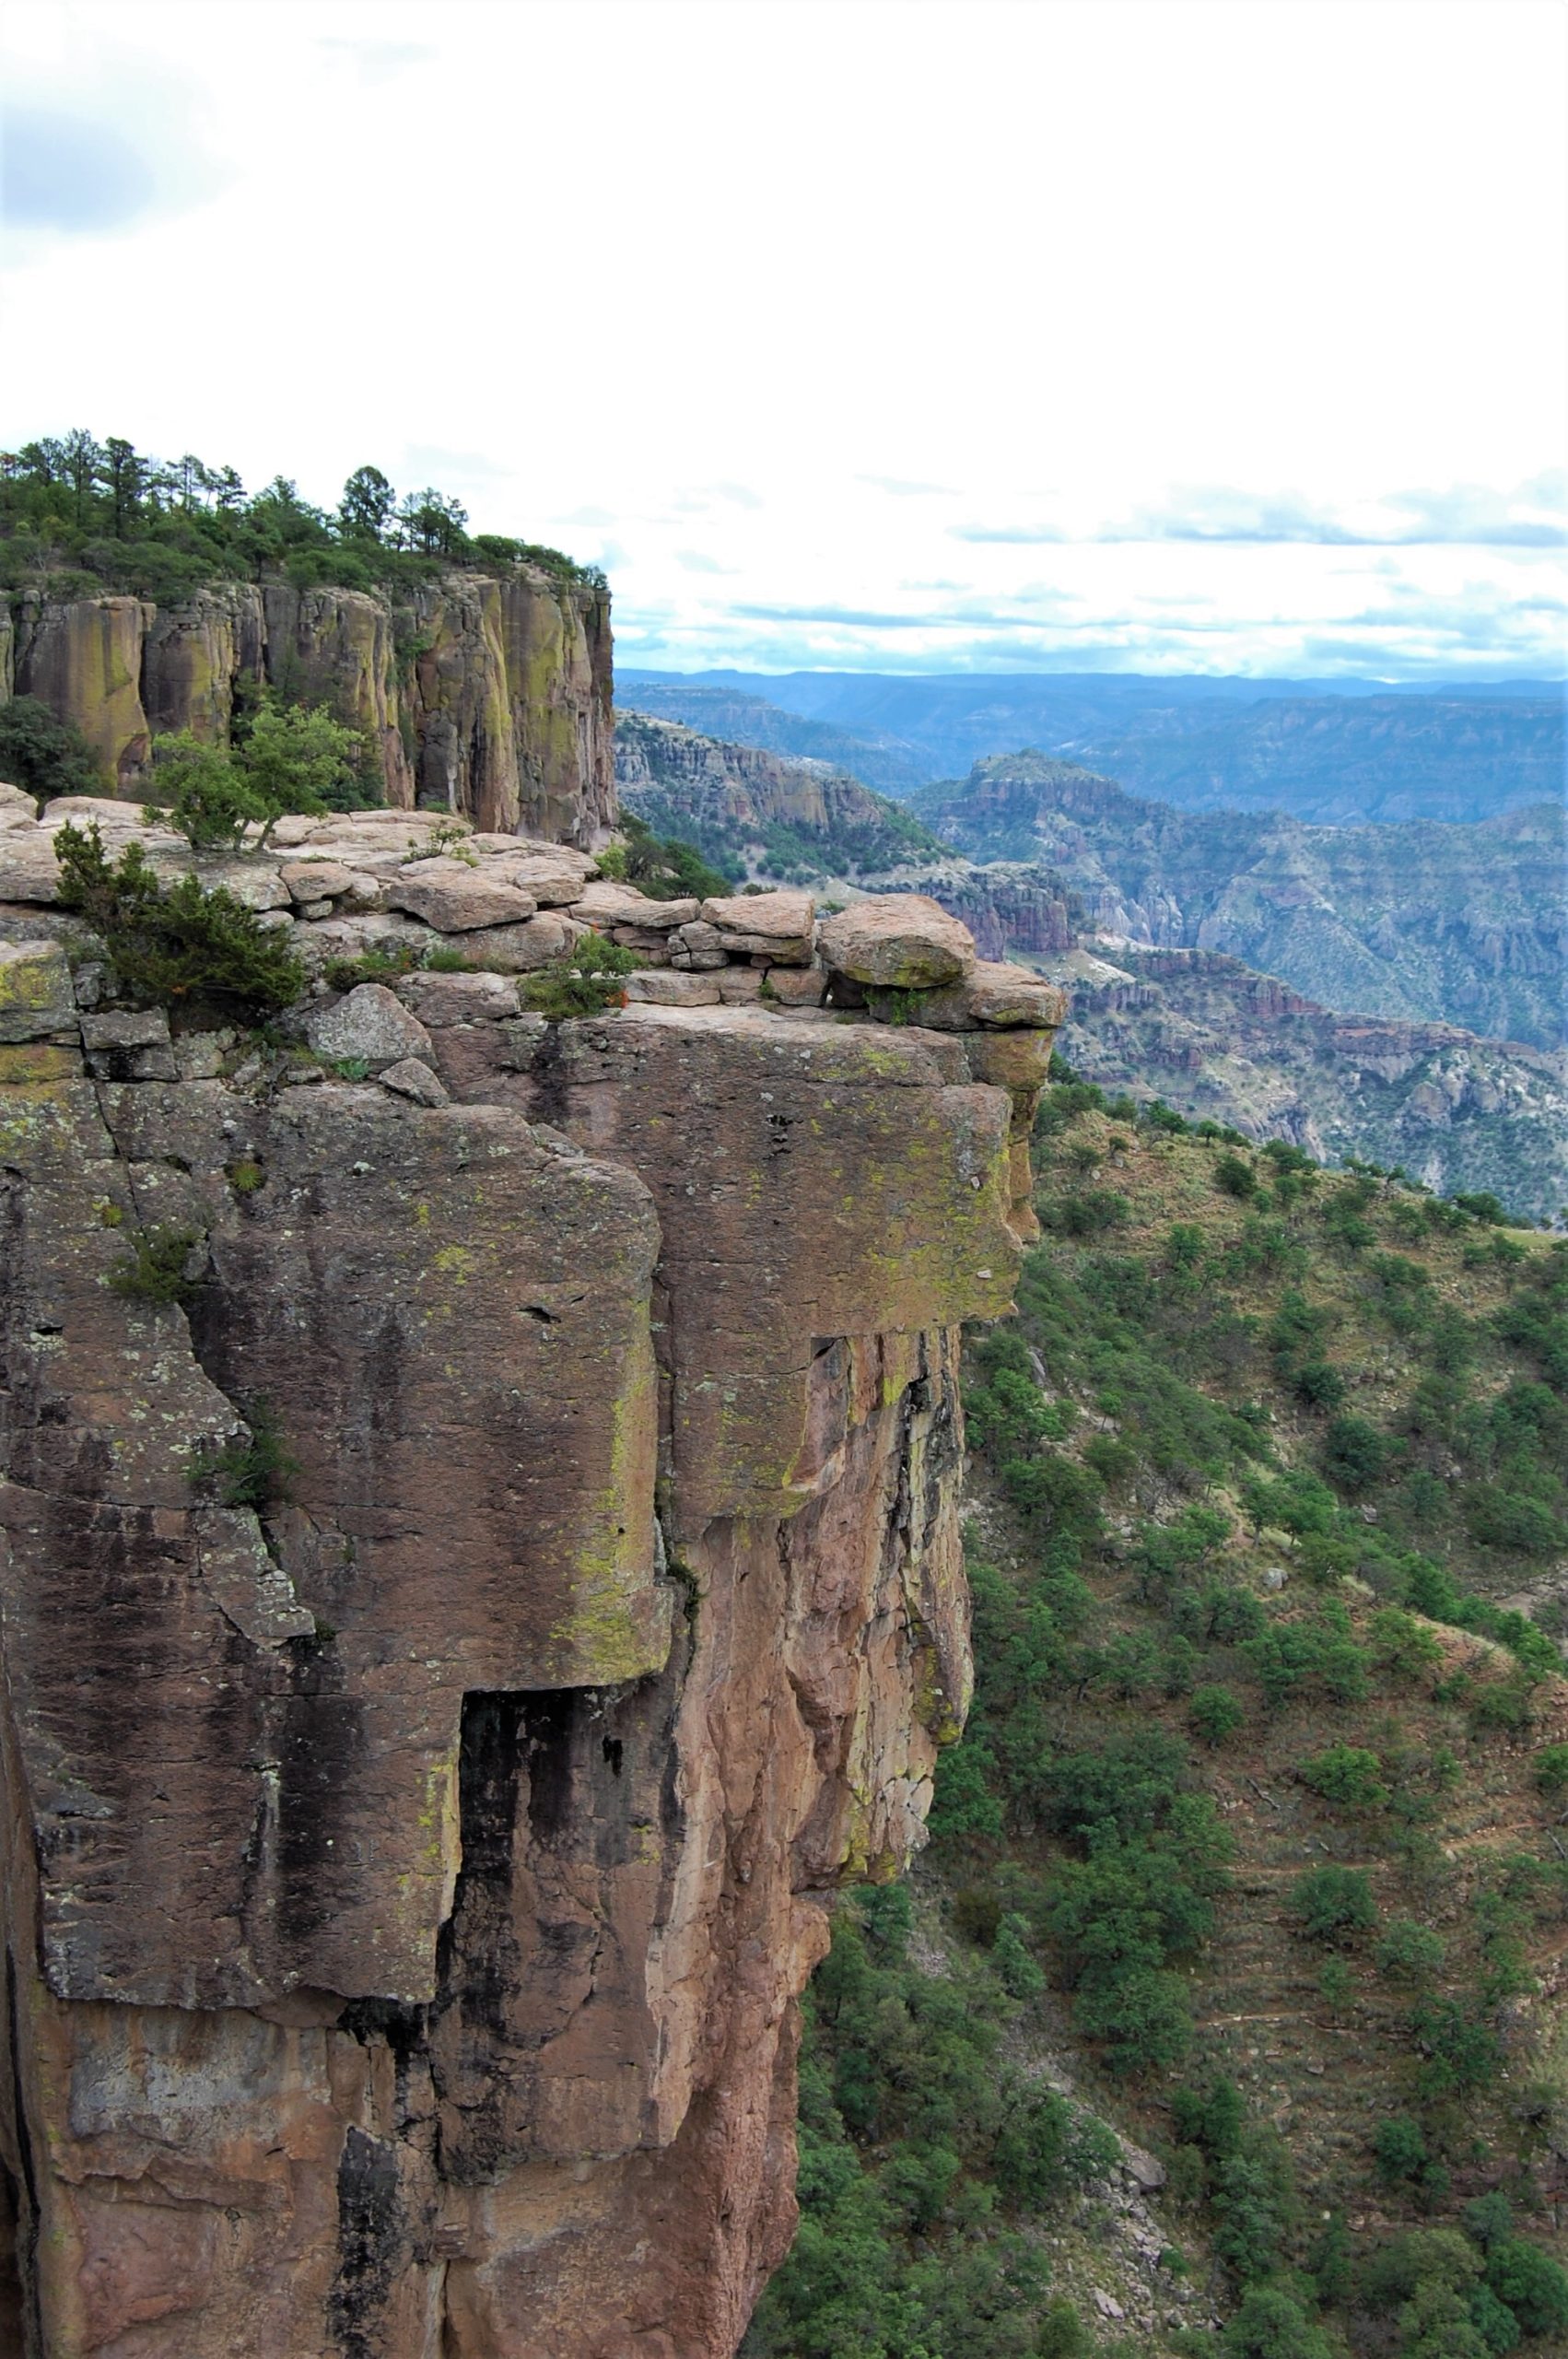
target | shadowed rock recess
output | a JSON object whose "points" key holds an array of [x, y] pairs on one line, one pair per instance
{"points": [[412, 1857]]}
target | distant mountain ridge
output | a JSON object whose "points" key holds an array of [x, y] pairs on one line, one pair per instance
{"points": [[1424, 924], [737, 718], [1328, 751], [791, 818], [1214, 1038]]}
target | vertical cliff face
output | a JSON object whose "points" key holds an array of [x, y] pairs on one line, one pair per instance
{"points": [[485, 696], [408, 1882]]}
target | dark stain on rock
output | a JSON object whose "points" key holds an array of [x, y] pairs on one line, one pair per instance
{"points": [[370, 2243]]}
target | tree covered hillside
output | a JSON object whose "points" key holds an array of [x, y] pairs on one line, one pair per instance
{"points": [[79, 517], [1253, 1847]]}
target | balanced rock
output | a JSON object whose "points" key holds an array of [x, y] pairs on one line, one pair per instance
{"points": [[901, 941], [328, 880], [29, 870], [411, 1078], [605, 903], [664, 988], [797, 986], [1000, 998], [456, 898], [517, 949], [555, 878], [776, 917], [458, 999], [371, 1023]]}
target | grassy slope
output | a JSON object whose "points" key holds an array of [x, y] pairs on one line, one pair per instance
{"points": [[1122, 1557]]}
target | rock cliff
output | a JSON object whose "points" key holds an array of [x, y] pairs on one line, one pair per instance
{"points": [[1218, 1041], [488, 696], [456, 1641], [1422, 922]]}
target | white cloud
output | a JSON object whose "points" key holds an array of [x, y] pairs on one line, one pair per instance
{"points": [[1146, 323]]}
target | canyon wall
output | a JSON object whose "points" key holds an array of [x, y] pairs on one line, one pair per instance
{"points": [[409, 1866], [770, 811], [488, 696], [1418, 922], [1219, 1043]]}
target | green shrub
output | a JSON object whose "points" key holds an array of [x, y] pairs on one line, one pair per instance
{"points": [[1142, 2016], [1482, 1206], [252, 1470], [1319, 1384], [1270, 2324], [1489, 2219], [590, 979], [1215, 1713], [1062, 2334], [1409, 1952], [1233, 1177], [1253, 2207], [1355, 1455], [1018, 1971], [1498, 1517], [1403, 1650], [179, 943], [1551, 1770], [43, 756], [377, 964], [1337, 1984], [976, 1913], [200, 789], [1530, 2283], [1399, 2152], [1462, 2051], [1347, 1775], [155, 1269], [1333, 1904], [296, 757], [1090, 1214], [662, 867]]}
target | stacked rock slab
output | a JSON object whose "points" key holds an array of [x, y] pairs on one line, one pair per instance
{"points": [[407, 1884]]}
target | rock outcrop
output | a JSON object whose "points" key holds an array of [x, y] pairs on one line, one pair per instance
{"points": [[1219, 1043], [461, 1622], [486, 697]]}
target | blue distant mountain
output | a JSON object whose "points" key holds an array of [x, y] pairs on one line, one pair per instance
{"points": [[1334, 751]]}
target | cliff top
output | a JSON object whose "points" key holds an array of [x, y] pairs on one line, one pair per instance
{"points": [[79, 516]]}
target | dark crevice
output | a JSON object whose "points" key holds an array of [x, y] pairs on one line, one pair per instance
{"points": [[27, 2338], [548, 1075]]}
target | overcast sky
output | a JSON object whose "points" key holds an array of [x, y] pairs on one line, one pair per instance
{"points": [[1219, 335]]}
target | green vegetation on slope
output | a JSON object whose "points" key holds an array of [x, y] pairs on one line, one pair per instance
{"points": [[79, 517], [1261, 1776]]}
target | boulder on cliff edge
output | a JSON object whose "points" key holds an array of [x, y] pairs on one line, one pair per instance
{"points": [[901, 942]]}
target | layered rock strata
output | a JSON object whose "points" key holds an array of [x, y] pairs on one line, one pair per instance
{"points": [[487, 696], [453, 1650]]}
